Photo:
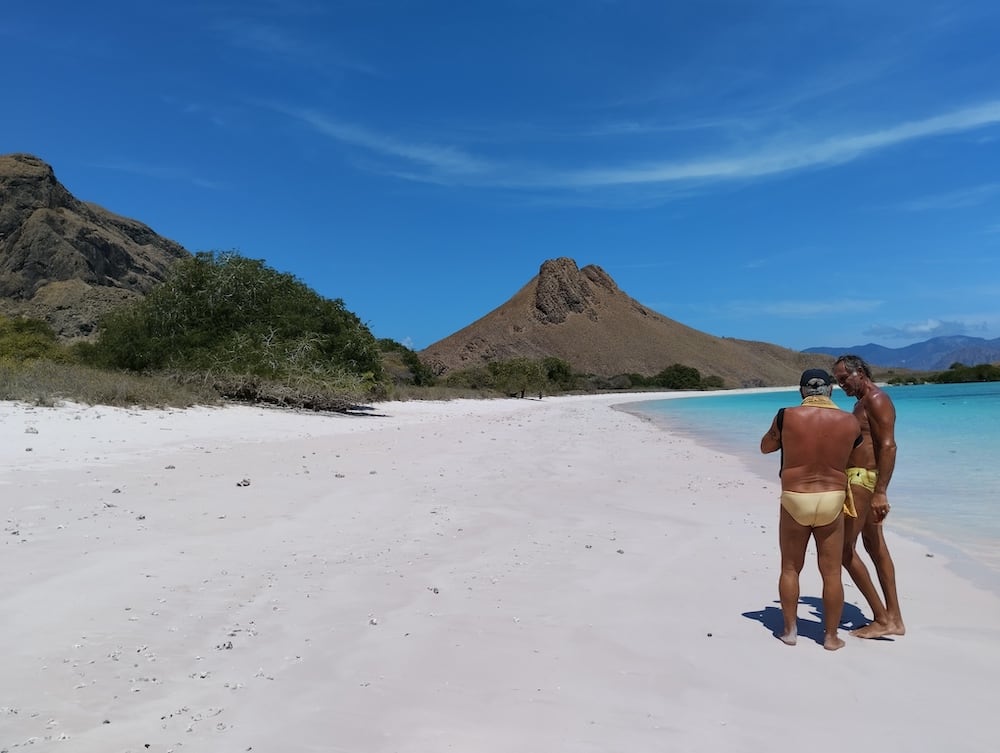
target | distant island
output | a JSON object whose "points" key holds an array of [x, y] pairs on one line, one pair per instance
{"points": [[934, 354]]}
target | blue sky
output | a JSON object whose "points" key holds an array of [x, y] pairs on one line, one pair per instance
{"points": [[802, 173]]}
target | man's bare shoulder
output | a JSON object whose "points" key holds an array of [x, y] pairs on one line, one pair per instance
{"points": [[878, 399]]}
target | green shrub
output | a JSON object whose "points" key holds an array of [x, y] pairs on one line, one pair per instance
{"points": [[712, 382], [678, 377], [516, 376], [984, 372], [639, 380], [23, 339], [223, 314], [419, 373], [559, 373], [476, 378]]}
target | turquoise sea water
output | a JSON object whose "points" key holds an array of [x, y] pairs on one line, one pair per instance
{"points": [[947, 479]]}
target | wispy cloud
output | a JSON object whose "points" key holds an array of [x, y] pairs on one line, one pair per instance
{"points": [[275, 42], [218, 115], [439, 159], [795, 309], [630, 128], [782, 258], [966, 197], [667, 264], [160, 172], [438, 163], [788, 309], [921, 330], [263, 38], [824, 153]]}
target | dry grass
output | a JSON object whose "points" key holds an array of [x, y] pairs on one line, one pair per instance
{"points": [[47, 383], [404, 392]]}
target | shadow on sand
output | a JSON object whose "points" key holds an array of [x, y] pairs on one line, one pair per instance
{"points": [[770, 617]]}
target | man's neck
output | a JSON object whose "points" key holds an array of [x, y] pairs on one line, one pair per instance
{"points": [[821, 401]]}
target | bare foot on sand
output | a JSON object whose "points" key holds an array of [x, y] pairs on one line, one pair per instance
{"points": [[832, 642], [790, 637], [879, 630]]}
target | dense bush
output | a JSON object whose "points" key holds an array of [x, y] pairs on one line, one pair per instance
{"points": [[29, 340], [559, 373], [551, 375], [678, 377], [416, 371], [517, 376], [712, 382], [958, 372], [674, 377], [476, 378], [229, 317]]}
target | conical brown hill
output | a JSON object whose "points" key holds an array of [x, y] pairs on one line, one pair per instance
{"points": [[582, 317], [67, 261]]}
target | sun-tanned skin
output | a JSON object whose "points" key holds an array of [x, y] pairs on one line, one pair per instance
{"points": [[877, 416], [816, 444]]}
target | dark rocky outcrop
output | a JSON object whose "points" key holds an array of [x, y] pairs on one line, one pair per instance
{"points": [[563, 289], [584, 318], [67, 261]]}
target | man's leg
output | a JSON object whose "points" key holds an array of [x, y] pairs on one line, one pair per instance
{"points": [[792, 538], [853, 563], [875, 545], [829, 550]]}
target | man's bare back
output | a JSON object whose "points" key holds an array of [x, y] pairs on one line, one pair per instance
{"points": [[816, 439]]}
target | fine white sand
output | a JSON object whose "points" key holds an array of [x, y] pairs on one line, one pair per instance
{"points": [[472, 576]]}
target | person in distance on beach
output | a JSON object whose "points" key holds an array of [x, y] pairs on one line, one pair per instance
{"points": [[869, 471], [816, 439]]}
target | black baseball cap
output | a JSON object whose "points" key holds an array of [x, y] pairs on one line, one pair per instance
{"points": [[811, 375]]}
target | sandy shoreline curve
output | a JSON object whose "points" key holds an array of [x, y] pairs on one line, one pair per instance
{"points": [[472, 575]]}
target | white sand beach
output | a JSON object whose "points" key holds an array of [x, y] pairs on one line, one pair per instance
{"points": [[473, 576]]}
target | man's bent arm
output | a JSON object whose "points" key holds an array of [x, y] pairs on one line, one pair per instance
{"points": [[772, 440], [882, 422]]}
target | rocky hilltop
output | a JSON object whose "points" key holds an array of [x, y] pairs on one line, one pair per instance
{"points": [[67, 261], [584, 318]]}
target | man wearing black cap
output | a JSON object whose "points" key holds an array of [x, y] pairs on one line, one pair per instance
{"points": [[816, 439]]}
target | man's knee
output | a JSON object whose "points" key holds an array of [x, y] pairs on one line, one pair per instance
{"points": [[851, 555], [830, 570], [872, 540]]}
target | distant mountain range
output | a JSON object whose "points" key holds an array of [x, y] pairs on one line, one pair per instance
{"points": [[936, 354]]}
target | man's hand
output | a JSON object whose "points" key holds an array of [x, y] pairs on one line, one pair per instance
{"points": [[880, 506]]}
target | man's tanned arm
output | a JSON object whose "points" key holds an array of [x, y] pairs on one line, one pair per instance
{"points": [[882, 423], [771, 441]]}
